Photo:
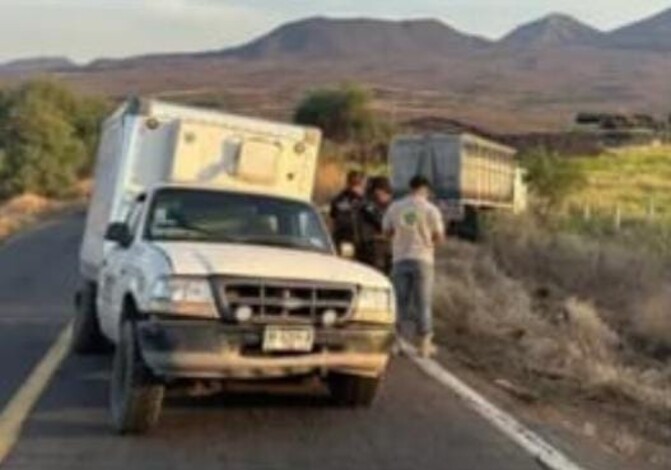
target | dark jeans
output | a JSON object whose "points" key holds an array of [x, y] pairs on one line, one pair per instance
{"points": [[413, 282]]}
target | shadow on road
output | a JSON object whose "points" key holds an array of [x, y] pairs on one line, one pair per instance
{"points": [[76, 405]]}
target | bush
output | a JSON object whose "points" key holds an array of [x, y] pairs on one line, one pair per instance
{"points": [[551, 179], [343, 114], [618, 279], [346, 117], [48, 136], [562, 318]]}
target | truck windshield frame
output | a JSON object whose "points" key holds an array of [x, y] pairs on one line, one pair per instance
{"points": [[194, 215]]}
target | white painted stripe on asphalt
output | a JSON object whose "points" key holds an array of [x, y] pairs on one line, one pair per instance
{"points": [[531, 442], [16, 412]]}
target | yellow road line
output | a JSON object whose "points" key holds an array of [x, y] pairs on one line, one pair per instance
{"points": [[17, 411]]}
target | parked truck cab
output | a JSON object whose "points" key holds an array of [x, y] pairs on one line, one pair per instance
{"points": [[213, 282]]}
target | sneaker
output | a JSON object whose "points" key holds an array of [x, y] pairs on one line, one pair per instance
{"points": [[427, 348]]}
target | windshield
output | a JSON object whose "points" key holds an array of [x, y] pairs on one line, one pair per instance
{"points": [[221, 217]]}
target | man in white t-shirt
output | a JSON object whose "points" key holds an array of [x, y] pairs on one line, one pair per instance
{"points": [[416, 227]]}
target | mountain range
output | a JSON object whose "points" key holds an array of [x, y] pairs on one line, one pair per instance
{"points": [[536, 76]]}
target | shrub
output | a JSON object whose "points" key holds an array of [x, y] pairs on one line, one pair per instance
{"points": [[346, 117], [48, 137], [343, 114], [551, 179], [518, 309]]}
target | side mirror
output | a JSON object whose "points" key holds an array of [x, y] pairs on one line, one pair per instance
{"points": [[119, 233], [347, 250]]}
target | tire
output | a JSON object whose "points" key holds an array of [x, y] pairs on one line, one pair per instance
{"points": [[470, 228], [86, 335], [353, 391], [136, 397]]}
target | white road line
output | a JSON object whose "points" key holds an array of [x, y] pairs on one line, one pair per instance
{"points": [[16, 412], [531, 442]]}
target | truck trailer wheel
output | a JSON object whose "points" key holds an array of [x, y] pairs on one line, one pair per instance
{"points": [[136, 397], [86, 335], [353, 391]]}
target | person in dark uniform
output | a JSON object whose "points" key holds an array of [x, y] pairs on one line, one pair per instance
{"points": [[344, 209], [374, 247]]}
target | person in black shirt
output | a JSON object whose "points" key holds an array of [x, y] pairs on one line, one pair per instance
{"points": [[344, 209], [374, 248]]}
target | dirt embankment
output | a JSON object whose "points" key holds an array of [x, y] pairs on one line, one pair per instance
{"points": [[570, 322], [22, 211]]}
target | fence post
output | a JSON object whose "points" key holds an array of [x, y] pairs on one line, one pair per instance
{"points": [[618, 218], [586, 212], [652, 210]]}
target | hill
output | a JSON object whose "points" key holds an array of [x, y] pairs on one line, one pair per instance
{"points": [[36, 65], [536, 78], [358, 39], [652, 33], [555, 30]]}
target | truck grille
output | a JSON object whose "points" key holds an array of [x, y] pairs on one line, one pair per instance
{"points": [[286, 301]]}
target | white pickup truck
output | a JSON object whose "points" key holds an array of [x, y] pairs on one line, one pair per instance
{"points": [[203, 259]]}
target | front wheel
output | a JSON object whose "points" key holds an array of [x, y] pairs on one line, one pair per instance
{"points": [[353, 391], [136, 397]]}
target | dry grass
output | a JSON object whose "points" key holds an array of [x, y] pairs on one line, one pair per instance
{"points": [[21, 211], [636, 180], [654, 319], [619, 280], [26, 209], [567, 318]]}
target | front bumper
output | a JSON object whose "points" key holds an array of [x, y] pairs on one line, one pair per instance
{"points": [[197, 349]]}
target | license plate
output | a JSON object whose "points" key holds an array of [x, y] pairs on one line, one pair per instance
{"points": [[288, 339]]}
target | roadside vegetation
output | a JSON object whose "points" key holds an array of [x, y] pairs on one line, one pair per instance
{"points": [[48, 137], [574, 308], [638, 181], [627, 199], [562, 320], [354, 135]]}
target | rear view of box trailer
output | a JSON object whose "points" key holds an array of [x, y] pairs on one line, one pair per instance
{"points": [[468, 173], [146, 143]]}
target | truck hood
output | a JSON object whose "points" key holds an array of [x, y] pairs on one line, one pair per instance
{"points": [[202, 259]]}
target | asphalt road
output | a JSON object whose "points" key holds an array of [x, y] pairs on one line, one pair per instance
{"points": [[416, 423]]}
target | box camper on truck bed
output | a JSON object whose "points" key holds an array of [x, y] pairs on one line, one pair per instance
{"points": [[146, 143], [203, 259], [468, 173]]}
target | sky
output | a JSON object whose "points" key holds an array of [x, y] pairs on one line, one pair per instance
{"points": [[87, 29]]}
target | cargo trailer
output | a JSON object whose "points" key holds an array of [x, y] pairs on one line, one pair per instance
{"points": [[469, 174]]}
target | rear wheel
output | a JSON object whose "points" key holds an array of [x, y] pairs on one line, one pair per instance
{"points": [[352, 390], [470, 228], [136, 397], [86, 335]]}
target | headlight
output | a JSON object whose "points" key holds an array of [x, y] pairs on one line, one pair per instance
{"points": [[375, 306], [186, 296]]}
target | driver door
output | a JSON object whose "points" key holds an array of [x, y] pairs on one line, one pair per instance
{"points": [[113, 277]]}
